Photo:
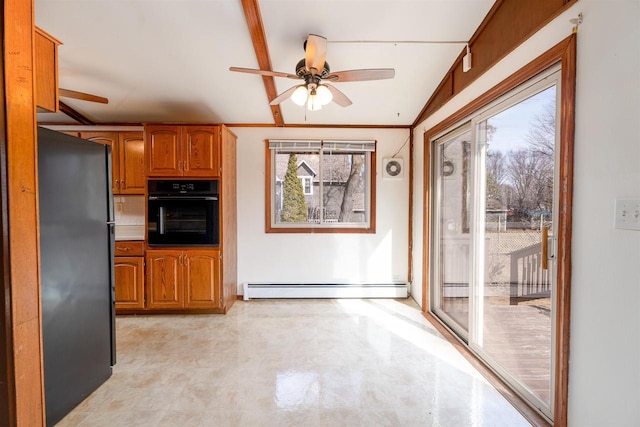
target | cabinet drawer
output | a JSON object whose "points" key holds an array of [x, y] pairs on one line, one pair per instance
{"points": [[129, 248]]}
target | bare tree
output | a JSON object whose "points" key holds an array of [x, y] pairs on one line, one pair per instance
{"points": [[542, 131], [496, 175], [352, 185]]}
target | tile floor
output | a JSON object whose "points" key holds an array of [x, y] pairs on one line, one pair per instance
{"points": [[345, 362]]}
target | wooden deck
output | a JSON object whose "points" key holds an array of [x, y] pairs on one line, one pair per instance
{"points": [[518, 337]]}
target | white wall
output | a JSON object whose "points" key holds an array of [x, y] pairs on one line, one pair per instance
{"points": [[604, 374], [321, 258]]}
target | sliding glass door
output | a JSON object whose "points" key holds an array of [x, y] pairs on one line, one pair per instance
{"points": [[495, 198]]}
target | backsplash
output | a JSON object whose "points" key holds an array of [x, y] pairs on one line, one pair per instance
{"points": [[128, 210]]}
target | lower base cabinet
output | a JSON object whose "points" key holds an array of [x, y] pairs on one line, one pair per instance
{"points": [[129, 282], [129, 275], [183, 279]]}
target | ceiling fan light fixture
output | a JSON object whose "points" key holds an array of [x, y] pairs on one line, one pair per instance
{"points": [[324, 94], [299, 96], [314, 103]]}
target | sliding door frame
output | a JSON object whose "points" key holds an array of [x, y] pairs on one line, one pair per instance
{"points": [[563, 53]]}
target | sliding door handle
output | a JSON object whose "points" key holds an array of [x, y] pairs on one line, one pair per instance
{"points": [[545, 248]]}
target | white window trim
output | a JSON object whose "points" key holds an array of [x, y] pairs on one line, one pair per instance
{"points": [[322, 147]]}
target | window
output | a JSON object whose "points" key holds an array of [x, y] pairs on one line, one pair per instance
{"points": [[307, 187], [320, 186]]}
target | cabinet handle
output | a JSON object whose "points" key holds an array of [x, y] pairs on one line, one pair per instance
{"points": [[117, 183], [122, 248], [123, 184]]}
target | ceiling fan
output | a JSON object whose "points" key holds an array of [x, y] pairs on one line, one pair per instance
{"points": [[314, 70]]}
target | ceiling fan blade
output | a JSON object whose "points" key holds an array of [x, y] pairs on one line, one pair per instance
{"points": [[82, 96], [315, 53], [284, 95], [362, 75], [338, 97], [264, 72]]}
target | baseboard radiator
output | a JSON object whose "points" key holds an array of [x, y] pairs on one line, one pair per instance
{"points": [[274, 290]]}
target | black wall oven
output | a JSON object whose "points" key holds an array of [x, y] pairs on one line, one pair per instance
{"points": [[183, 213]]}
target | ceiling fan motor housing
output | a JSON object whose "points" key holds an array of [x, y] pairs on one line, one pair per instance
{"points": [[301, 69]]}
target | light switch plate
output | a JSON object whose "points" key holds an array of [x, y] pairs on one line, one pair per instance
{"points": [[627, 214]]}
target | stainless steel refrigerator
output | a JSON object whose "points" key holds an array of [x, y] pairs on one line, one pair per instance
{"points": [[76, 256]]}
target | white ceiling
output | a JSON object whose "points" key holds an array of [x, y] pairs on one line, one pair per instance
{"points": [[168, 60]]}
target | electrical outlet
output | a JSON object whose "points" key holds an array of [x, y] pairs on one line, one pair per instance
{"points": [[627, 214]]}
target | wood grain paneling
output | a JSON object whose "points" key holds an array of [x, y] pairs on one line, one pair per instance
{"points": [[164, 279], [229, 226], [201, 151], [163, 150], [74, 114], [129, 282], [202, 278], [426, 223], [111, 139], [129, 248], [565, 227], [7, 397], [131, 158], [46, 60], [256, 29], [506, 26], [19, 154]]}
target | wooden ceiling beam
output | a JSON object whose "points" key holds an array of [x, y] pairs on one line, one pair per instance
{"points": [[74, 114], [259, 38]]}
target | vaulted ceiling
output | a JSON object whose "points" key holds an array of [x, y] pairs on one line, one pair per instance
{"points": [[168, 60]]}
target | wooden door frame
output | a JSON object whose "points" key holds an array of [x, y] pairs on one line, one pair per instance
{"points": [[565, 54], [21, 364]]}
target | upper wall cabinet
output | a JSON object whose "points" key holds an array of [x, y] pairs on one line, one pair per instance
{"points": [[46, 67], [127, 158], [183, 150]]}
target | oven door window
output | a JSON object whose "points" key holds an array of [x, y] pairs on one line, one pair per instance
{"points": [[182, 219], [183, 222]]}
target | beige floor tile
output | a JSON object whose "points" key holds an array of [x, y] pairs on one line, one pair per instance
{"points": [[291, 363]]}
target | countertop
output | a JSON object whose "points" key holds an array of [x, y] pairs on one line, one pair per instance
{"points": [[129, 232]]}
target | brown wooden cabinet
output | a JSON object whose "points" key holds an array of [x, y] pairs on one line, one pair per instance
{"points": [[175, 151], [187, 279], [129, 275], [179, 279], [127, 159], [46, 70], [129, 282], [164, 279]]}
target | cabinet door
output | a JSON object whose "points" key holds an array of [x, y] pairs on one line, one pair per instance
{"points": [[131, 153], [163, 150], [129, 282], [202, 279], [164, 279], [108, 138], [201, 151]]}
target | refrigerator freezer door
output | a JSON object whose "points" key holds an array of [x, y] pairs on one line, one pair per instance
{"points": [[76, 269]]}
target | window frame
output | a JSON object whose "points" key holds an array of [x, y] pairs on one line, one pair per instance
{"points": [[563, 53], [305, 180], [272, 227]]}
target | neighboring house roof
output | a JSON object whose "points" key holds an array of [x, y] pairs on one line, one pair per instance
{"points": [[305, 170], [336, 168]]}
